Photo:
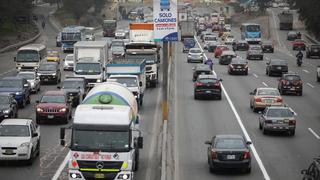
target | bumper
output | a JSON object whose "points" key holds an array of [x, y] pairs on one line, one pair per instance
{"points": [[48, 78], [279, 128], [268, 50], [51, 116], [82, 175], [195, 59], [67, 67], [274, 71], [15, 154], [207, 93], [314, 54], [264, 105], [238, 71], [231, 164]]}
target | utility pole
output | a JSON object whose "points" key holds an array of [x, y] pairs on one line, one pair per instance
{"points": [[165, 57]]}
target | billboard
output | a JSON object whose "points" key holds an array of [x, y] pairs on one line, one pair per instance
{"points": [[165, 20], [141, 32]]}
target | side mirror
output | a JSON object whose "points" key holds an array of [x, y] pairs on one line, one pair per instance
{"points": [[62, 135], [248, 142], [208, 142], [140, 142], [140, 84], [58, 87], [15, 59], [35, 134], [304, 171]]}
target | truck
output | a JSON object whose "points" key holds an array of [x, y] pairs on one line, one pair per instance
{"points": [[130, 73], [285, 20], [187, 29], [70, 35], [90, 59], [109, 28], [106, 146]]}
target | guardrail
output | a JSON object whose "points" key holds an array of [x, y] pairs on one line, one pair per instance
{"points": [[311, 39]]}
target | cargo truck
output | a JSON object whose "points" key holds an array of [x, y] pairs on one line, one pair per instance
{"points": [[106, 146], [187, 29], [109, 28], [90, 59], [285, 20]]}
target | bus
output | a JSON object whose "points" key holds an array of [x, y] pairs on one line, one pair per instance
{"points": [[29, 57], [70, 35], [109, 28], [251, 32]]}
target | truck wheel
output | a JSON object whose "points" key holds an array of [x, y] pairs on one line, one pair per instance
{"points": [[136, 165]]}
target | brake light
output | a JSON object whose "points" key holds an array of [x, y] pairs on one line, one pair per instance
{"points": [[292, 122], [279, 99], [217, 84], [214, 154], [231, 66], [258, 100], [285, 82], [246, 66], [247, 155], [199, 84]]}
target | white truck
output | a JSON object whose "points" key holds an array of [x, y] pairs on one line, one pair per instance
{"points": [[129, 73], [106, 146], [90, 59]]}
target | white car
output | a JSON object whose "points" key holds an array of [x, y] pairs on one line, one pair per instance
{"points": [[68, 62], [227, 27], [19, 140], [209, 39], [229, 40], [32, 78]]}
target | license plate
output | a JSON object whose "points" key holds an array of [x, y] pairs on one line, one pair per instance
{"points": [[46, 79], [268, 101], [231, 156], [280, 122], [208, 91], [9, 151], [238, 66], [50, 116], [99, 176], [279, 68], [293, 88]]}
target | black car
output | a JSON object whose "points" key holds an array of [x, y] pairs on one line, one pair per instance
{"points": [[313, 171], [292, 35], [240, 46], [200, 69], [207, 86], [290, 83], [229, 152], [238, 66], [75, 88], [267, 47], [49, 72], [313, 50], [276, 67], [8, 105]]}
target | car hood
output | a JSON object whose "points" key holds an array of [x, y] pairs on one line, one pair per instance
{"points": [[4, 106], [51, 105], [11, 89], [6, 141]]}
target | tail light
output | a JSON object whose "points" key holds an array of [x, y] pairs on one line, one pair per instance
{"points": [[246, 66], [279, 99], [231, 66], [247, 155], [217, 84], [199, 84], [258, 100], [214, 154], [268, 121], [300, 82], [285, 82], [292, 122]]}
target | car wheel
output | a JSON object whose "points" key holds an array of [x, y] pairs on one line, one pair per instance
{"points": [[16, 114], [28, 100], [292, 132], [260, 126], [136, 164], [195, 96], [308, 55], [300, 93], [212, 169], [38, 148], [246, 73], [188, 61], [32, 157], [23, 104], [219, 97], [264, 131], [248, 170]]}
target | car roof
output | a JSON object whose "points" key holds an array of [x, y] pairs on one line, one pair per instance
{"points": [[54, 93], [16, 122], [207, 76], [229, 136], [202, 67], [228, 53]]}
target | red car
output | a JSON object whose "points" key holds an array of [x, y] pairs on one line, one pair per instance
{"points": [[218, 51], [299, 44], [54, 105]]}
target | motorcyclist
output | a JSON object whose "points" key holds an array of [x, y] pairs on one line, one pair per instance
{"points": [[299, 57], [209, 62], [299, 35]]}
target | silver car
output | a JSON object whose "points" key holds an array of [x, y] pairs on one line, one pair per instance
{"points": [[68, 62], [255, 52], [32, 78], [195, 55]]}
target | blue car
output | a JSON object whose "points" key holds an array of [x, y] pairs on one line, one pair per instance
{"points": [[165, 5], [19, 87]]}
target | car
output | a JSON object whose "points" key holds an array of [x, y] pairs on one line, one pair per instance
{"points": [[207, 86], [49, 72], [58, 40], [120, 34], [19, 87], [19, 140], [225, 35], [241, 45], [292, 35], [200, 29], [195, 55], [68, 63], [75, 88], [299, 44], [276, 67], [318, 73], [290, 83], [117, 52], [212, 46], [200, 69], [238, 65], [255, 52], [117, 42], [313, 50], [263, 97], [215, 28], [53, 105], [229, 40], [227, 27], [208, 39], [53, 56], [8, 106], [226, 57], [267, 47], [219, 49], [313, 171], [279, 119], [222, 31], [32, 78], [205, 33], [229, 151]]}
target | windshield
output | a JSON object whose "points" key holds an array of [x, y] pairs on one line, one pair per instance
{"points": [[72, 84], [109, 25], [88, 68], [256, 48], [253, 28], [117, 43], [4, 100], [26, 76], [47, 67], [268, 92], [111, 141], [14, 130], [53, 99], [229, 143], [211, 38], [208, 80], [292, 78], [127, 81], [74, 36], [150, 58], [279, 113], [195, 51], [69, 58], [10, 83], [28, 56]]}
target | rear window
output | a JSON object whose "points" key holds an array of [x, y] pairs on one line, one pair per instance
{"points": [[257, 48], [208, 80], [279, 63], [292, 78], [315, 47], [268, 92], [195, 51], [229, 143], [204, 72], [279, 113]]}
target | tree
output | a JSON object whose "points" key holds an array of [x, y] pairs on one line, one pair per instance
{"points": [[77, 7]]}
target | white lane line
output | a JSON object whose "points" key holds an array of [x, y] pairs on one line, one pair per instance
{"points": [[244, 130], [296, 114], [314, 133], [306, 71], [256, 76], [310, 85], [275, 26], [61, 167], [265, 84]]}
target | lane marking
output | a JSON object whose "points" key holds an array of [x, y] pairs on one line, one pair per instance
{"points": [[61, 167], [256, 76], [265, 84], [296, 114], [306, 71], [244, 130], [7, 72], [310, 85], [314, 133]]}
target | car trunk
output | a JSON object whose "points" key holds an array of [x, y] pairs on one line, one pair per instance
{"points": [[230, 155]]}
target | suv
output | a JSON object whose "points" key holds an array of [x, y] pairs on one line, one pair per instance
{"points": [[313, 50], [207, 86], [290, 83], [195, 54], [19, 140], [75, 87], [255, 52], [267, 47], [200, 69], [17, 86], [278, 118], [49, 72], [313, 171]]}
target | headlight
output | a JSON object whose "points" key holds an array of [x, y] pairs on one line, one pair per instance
{"points": [[124, 176], [189, 56], [98, 80], [18, 93], [63, 110], [26, 144], [53, 74], [7, 111], [39, 110]]}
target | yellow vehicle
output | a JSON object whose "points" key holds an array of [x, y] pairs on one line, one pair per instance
{"points": [[53, 56], [225, 35]]}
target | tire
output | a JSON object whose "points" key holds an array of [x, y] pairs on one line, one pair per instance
{"points": [[66, 120], [32, 157], [212, 169], [248, 170], [188, 61], [38, 148], [219, 97], [16, 114], [38, 121], [264, 131], [28, 100], [140, 102], [254, 109], [300, 93], [281, 91], [318, 78], [246, 73], [136, 165], [260, 126], [292, 132], [23, 104]]}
